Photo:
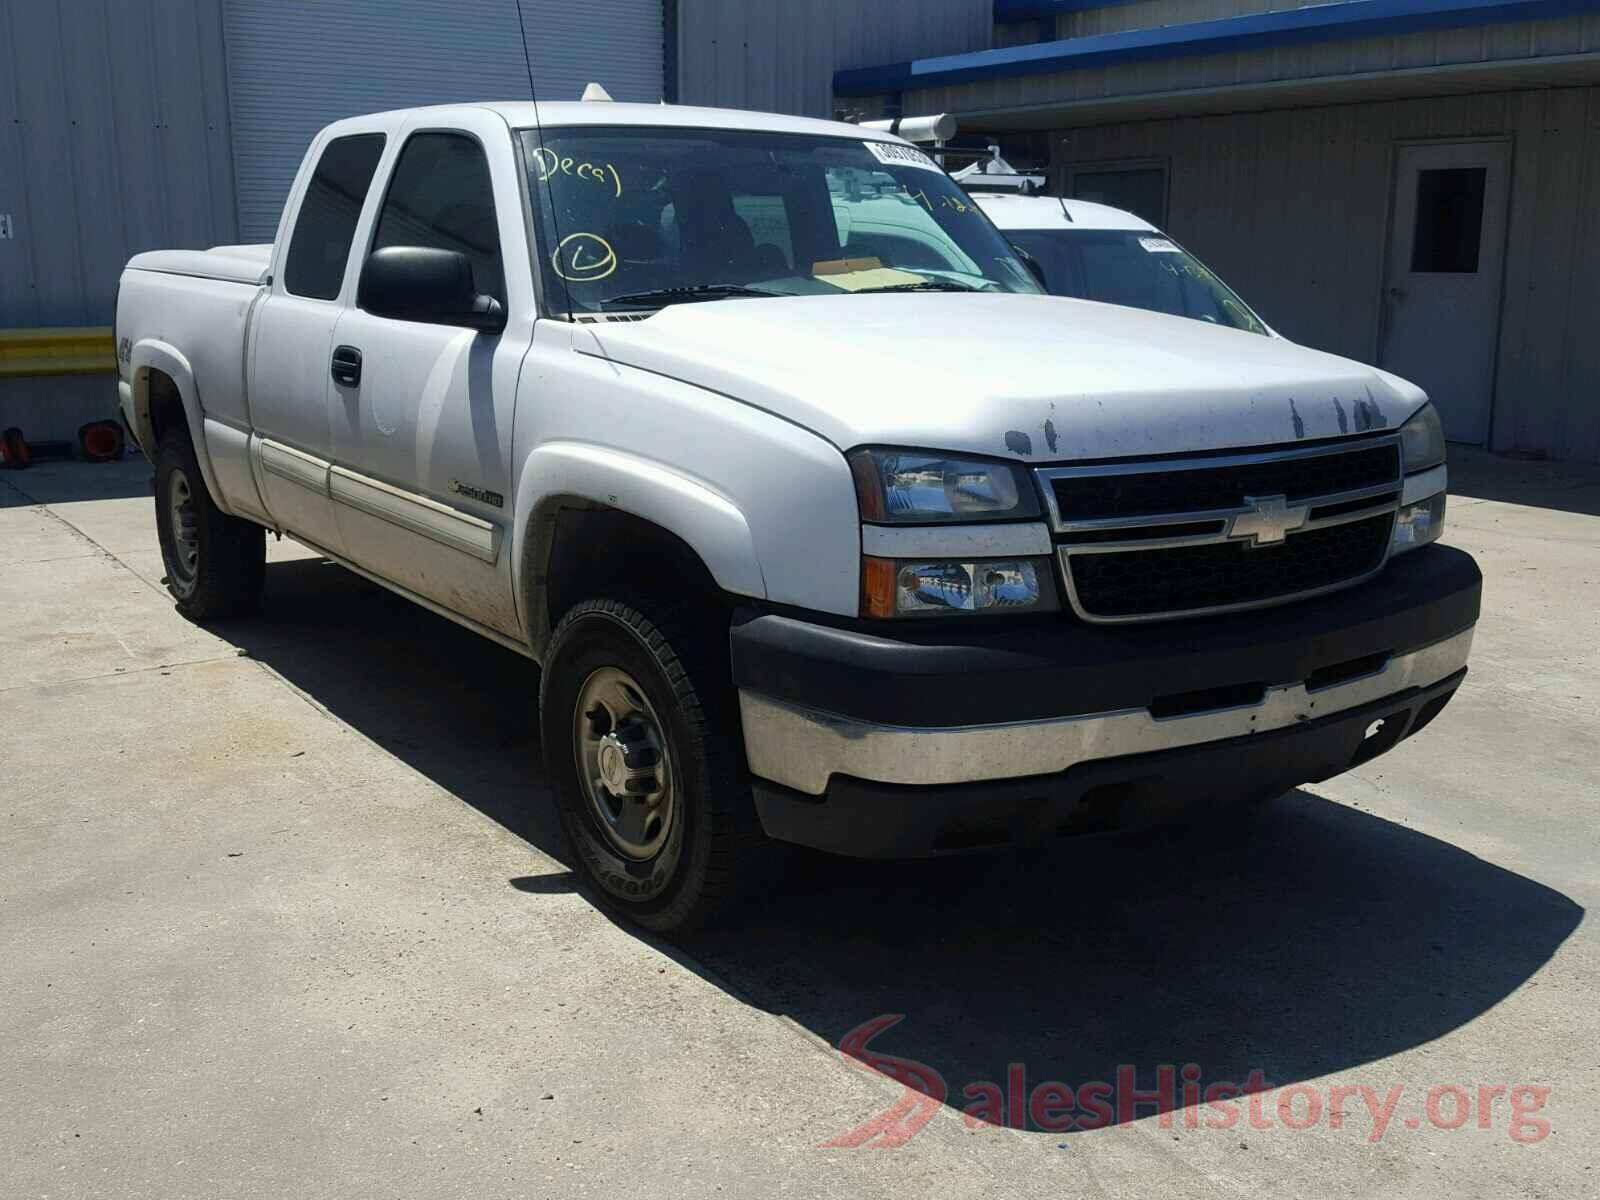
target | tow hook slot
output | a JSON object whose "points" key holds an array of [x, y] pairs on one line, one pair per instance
{"points": [[1187, 704], [1353, 668]]}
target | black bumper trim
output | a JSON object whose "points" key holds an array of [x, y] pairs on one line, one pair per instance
{"points": [[878, 820], [924, 677]]}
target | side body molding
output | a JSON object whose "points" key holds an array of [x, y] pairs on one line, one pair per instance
{"points": [[710, 523], [439, 522], [150, 354]]}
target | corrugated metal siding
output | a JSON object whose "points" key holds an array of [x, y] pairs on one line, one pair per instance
{"points": [[296, 65], [1440, 47], [113, 139], [618, 43], [775, 56], [1292, 208]]}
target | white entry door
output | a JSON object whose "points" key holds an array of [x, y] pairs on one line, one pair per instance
{"points": [[1442, 291]]}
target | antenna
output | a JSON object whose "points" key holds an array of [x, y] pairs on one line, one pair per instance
{"points": [[527, 59], [550, 198]]}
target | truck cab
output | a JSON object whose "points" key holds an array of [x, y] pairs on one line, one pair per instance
{"points": [[822, 522]]}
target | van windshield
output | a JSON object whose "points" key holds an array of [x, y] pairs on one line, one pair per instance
{"points": [[1138, 269], [634, 218]]}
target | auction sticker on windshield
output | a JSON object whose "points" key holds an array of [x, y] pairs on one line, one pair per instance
{"points": [[892, 154], [1159, 246]]}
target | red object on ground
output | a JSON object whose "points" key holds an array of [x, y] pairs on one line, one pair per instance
{"points": [[100, 441], [14, 452]]}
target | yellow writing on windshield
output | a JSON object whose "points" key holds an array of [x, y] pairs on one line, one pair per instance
{"points": [[584, 258], [547, 164], [953, 203]]}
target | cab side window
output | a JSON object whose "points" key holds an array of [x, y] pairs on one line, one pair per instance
{"points": [[441, 197], [326, 223]]}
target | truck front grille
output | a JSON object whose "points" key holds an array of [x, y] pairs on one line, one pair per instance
{"points": [[1181, 488], [1168, 538], [1222, 574]]}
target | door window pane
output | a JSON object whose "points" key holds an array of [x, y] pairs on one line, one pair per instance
{"points": [[320, 246], [441, 197], [1449, 220], [1141, 191]]}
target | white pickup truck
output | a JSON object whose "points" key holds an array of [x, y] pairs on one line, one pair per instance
{"points": [[824, 525]]}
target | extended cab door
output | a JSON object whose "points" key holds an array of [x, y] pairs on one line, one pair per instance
{"points": [[292, 333], [422, 431]]}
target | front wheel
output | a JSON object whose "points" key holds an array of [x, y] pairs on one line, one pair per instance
{"points": [[215, 563], [642, 749]]}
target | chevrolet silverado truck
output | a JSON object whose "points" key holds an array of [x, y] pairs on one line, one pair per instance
{"points": [[822, 522]]}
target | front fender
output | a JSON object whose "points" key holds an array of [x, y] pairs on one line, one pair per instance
{"points": [[707, 521], [151, 354]]}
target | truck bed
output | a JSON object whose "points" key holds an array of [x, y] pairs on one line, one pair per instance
{"points": [[237, 264]]}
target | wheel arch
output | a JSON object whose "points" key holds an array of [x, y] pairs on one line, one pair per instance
{"points": [[603, 519], [164, 395]]}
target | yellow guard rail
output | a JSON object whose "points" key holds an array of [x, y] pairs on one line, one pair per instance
{"points": [[84, 350]]}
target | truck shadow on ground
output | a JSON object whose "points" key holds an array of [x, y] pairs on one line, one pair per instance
{"points": [[1317, 940]]}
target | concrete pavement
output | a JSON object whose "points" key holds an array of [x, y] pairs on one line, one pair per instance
{"points": [[282, 912]]}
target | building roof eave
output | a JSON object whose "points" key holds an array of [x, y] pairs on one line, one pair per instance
{"points": [[1298, 26]]}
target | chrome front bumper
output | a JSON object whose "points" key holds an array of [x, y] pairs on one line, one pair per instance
{"points": [[802, 749]]}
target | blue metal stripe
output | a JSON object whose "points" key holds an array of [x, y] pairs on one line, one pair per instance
{"points": [[1325, 22]]}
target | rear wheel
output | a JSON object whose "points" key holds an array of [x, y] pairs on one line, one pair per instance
{"points": [[214, 562], [642, 748]]}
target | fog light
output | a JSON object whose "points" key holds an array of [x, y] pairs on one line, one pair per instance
{"points": [[1418, 524]]}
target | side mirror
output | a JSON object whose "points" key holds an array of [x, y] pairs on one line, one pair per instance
{"points": [[1032, 264], [421, 283]]}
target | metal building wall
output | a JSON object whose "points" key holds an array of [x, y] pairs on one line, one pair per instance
{"points": [[296, 65], [114, 139], [1292, 208], [780, 55]]}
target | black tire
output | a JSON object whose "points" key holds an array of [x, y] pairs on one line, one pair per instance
{"points": [[214, 562], [710, 845]]}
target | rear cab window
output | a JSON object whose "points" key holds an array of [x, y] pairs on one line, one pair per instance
{"points": [[326, 224]]}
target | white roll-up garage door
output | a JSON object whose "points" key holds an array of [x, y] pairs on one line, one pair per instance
{"points": [[295, 65]]}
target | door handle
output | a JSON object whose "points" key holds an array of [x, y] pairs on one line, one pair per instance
{"points": [[1396, 293], [346, 368]]}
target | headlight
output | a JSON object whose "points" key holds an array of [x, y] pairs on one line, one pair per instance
{"points": [[920, 488], [1422, 440], [895, 588], [1418, 524]]}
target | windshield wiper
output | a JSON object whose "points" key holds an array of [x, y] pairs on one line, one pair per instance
{"points": [[924, 285], [686, 295]]}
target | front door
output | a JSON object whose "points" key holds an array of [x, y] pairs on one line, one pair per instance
{"points": [[1442, 290], [421, 481]]}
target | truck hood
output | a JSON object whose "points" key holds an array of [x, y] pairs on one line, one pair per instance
{"points": [[1032, 378]]}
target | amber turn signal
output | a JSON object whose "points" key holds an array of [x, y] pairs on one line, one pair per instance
{"points": [[877, 586]]}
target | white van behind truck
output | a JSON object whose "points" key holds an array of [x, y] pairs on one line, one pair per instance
{"points": [[1095, 252], [697, 410]]}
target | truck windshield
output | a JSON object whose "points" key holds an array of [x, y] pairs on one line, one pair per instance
{"points": [[1138, 269], [634, 218]]}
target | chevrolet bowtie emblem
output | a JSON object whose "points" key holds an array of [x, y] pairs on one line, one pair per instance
{"points": [[1269, 520]]}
